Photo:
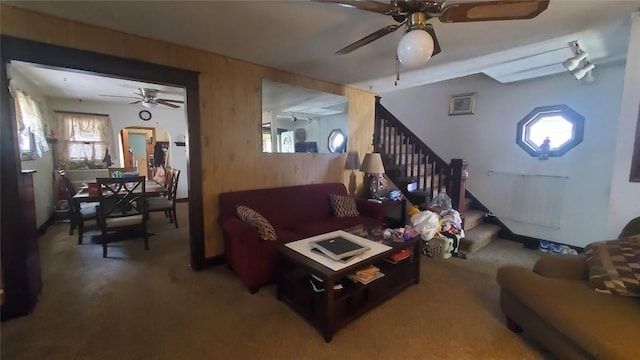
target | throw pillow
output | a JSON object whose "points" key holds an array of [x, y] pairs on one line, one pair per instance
{"points": [[253, 218], [614, 266], [343, 206]]}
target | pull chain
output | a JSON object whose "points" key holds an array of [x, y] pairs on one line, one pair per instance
{"points": [[397, 71]]}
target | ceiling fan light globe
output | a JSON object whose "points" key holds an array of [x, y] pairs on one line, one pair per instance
{"points": [[415, 48], [148, 105]]}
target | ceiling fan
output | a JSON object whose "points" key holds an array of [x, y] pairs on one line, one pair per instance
{"points": [[294, 118], [416, 47], [149, 98]]}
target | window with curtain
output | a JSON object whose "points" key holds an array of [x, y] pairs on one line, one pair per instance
{"points": [[82, 137], [30, 125]]}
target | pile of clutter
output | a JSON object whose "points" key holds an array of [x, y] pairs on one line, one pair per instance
{"points": [[440, 225], [551, 247]]}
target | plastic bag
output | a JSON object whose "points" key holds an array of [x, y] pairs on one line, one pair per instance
{"points": [[442, 201], [426, 223]]}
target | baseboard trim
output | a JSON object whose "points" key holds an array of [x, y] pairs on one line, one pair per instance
{"points": [[43, 228], [210, 262]]}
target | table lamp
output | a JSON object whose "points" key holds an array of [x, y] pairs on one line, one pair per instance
{"points": [[372, 165], [352, 163]]}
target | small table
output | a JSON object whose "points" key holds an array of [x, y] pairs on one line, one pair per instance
{"points": [[395, 212], [395, 206], [330, 309]]}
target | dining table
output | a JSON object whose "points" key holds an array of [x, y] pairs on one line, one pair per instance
{"points": [[152, 188]]}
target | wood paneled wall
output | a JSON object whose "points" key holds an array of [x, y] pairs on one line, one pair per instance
{"points": [[230, 110]]}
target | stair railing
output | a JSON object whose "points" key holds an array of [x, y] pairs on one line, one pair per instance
{"points": [[414, 167]]}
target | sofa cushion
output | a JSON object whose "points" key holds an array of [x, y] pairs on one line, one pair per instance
{"points": [[614, 266], [253, 218], [343, 206]]}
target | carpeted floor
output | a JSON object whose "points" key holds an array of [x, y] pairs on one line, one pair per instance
{"points": [[141, 304]]}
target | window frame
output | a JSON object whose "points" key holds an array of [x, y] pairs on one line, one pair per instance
{"points": [[338, 149], [541, 112], [31, 153]]}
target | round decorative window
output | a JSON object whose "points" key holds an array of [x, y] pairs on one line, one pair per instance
{"points": [[550, 131], [337, 141]]}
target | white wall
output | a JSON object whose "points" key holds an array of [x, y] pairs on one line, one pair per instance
{"points": [[43, 179], [487, 140], [174, 121], [625, 195]]}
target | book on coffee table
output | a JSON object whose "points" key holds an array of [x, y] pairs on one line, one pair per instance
{"points": [[365, 279], [398, 256]]}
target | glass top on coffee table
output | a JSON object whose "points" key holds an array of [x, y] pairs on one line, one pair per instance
{"points": [[376, 233]]}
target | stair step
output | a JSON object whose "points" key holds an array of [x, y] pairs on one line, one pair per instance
{"points": [[478, 237], [467, 204], [472, 218]]}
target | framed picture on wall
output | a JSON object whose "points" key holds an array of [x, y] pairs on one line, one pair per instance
{"points": [[463, 104]]}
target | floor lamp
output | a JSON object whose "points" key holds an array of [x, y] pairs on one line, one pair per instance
{"points": [[352, 163], [372, 165]]}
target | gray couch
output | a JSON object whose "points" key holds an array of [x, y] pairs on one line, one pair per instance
{"points": [[554, 305]]}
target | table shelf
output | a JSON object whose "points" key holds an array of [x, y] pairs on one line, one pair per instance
{"points": [[330, 309]]}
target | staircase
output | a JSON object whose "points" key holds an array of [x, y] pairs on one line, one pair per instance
{"points": [[420, 174]]}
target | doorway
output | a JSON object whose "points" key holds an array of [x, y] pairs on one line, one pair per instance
{"points": [[16, 256], [137, 149]]}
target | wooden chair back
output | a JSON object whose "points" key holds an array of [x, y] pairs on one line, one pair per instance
{"points": [[70, 191], [173, 188], [120, 197]]}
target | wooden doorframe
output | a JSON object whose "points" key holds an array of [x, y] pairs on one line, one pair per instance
{"points": [[148, 146], [54, 56]]}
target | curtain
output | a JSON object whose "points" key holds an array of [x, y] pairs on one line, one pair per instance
{"points": [[29, 118], [83, 137]]}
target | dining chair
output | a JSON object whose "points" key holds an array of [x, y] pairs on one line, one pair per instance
{"points": [[167, 204], [122, 209], [79, 212]]}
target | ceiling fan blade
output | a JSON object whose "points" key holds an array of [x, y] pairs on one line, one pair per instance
{"points": [[436, 45], [367, 5], [163, 102], [135, 102], [493, 10], [116, 96], [169, 100], [369, 38]]}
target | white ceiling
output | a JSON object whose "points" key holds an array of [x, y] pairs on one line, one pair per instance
{"points": [[58, 83], [302, 37]]}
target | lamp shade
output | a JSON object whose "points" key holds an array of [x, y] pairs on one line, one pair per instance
{"points": [[353, 161], [415, 48], [572, 63], [372, 164]]}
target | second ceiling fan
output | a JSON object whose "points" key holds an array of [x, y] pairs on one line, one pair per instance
{"points": [[149, 98], [416, 47]]}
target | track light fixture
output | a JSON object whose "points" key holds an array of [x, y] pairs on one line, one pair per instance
{"points": [[580, 73], [579, 65], [572, 63]]}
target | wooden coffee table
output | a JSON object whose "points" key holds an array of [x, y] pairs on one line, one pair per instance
{"points": [[330, 309]]}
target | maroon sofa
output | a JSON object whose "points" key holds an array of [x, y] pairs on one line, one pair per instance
{"points": [[295, 212]]}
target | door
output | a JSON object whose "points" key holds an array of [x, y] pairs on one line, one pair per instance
{"points": [[127, 160]]}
